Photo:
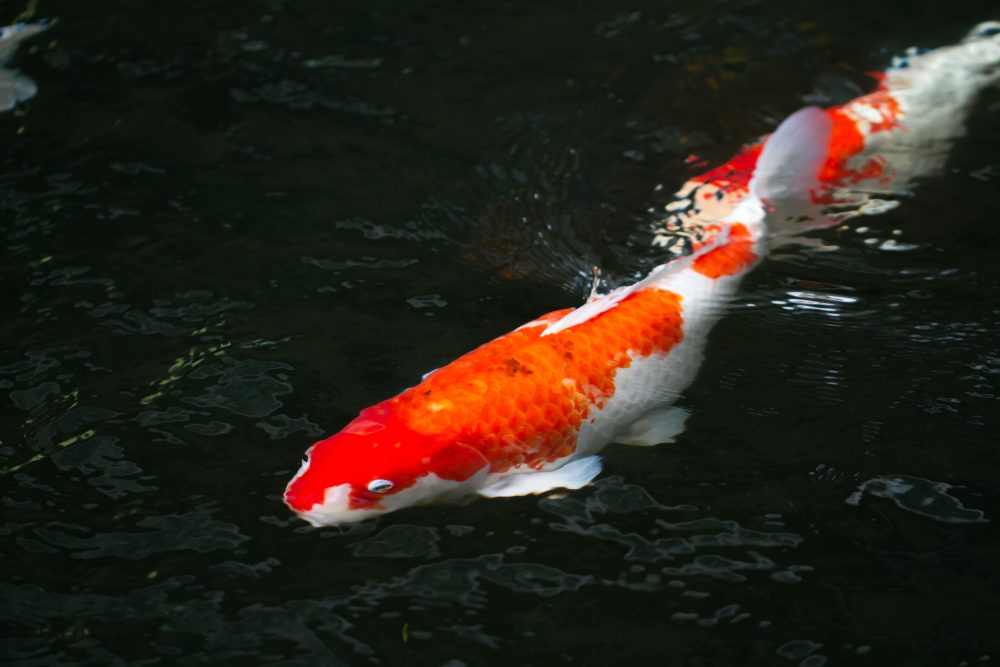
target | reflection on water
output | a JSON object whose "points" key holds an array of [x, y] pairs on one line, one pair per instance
{"points": [[681, 540], [226, 229]]}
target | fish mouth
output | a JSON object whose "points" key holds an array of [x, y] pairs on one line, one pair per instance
{"points": [[301, 497], [339, 505], [299, 500], [320, 518]]}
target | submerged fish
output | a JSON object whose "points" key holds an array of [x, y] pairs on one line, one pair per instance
{"points": [[529, 411], [881, 142], [14, 86]]}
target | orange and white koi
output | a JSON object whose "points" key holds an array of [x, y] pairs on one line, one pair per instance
{"points": [[881, 143], [530, 411]]}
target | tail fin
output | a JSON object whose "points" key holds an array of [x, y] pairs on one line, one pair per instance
{"points": [[788, 167]]}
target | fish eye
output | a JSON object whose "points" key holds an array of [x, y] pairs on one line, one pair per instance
{"points": [[379, 485]]}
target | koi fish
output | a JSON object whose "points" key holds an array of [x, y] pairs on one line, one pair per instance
{"points": [[531, 410]]}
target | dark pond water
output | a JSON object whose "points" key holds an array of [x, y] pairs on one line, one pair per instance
{"points": [[228, 226]]}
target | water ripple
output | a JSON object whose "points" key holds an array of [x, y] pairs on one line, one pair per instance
{"points": [[919, 496], [195, 530], [247, 387]]}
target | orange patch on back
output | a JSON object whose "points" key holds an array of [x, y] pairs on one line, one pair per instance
{"points": [[521, 399], [847, 140], [736, 256]]}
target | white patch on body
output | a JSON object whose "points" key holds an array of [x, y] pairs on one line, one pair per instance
{"points": [[650, 384]]}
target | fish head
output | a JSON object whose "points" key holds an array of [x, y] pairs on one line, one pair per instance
{"points": [[378, 464]]}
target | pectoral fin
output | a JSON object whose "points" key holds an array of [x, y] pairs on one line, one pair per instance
{"points": [[655, 428], [573, 475]]}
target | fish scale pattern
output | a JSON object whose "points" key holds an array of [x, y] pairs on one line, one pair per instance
{"points": [[521, 399]]}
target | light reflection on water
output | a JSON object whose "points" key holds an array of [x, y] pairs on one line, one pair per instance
{"points": [[227, 229]]}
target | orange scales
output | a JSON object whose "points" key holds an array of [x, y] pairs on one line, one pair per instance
{"points": [[520, 399]]}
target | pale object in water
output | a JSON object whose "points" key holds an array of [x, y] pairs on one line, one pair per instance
{"points": [[920, 496], [14, 86]]}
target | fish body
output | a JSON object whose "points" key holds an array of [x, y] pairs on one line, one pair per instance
{"points": [[531, 410]]}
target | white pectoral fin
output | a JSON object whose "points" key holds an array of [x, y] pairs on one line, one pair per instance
{"points": [[656, 428], [574, 475]]}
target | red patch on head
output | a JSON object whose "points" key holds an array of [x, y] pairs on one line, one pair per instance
{"points": [[372, 446]]}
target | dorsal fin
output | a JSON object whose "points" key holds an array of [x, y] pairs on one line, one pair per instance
{"points": [[789, 164], [604, 303], [788, 168]]}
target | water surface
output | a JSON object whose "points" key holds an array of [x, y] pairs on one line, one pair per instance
{"points": [[228, 227]]}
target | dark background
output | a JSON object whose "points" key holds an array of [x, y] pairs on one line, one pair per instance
{"points": [[229, 226]]}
